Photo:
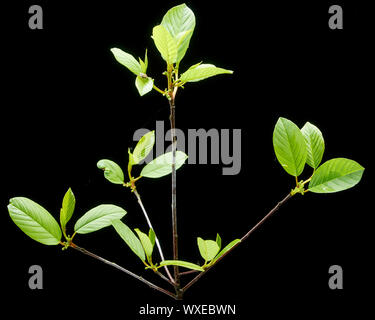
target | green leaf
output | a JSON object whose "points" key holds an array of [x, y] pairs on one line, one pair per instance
{"points": [[181, 263], [336, 175], [208, 249], [314, 144], [165, 43], [180, 23], [127, 60], [143, 147], [67, 208], [34, 220], [112, 171], [98, 218], [227, 248], [144, 64], [152, 236], [162, 165], [290, 146], [201, 72], [146, 243], [144, 85], [218, 241], [129, 237]]}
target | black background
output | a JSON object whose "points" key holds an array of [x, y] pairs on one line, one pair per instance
{"points": [[66, 103]]}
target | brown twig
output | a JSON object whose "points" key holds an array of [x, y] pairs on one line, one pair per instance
{"points": [[194, 280], [150, 284]]}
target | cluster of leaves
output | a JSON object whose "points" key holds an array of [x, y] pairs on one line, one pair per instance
{"points": [[40, 225], [157, 168], [171, 37], [295, 147]]}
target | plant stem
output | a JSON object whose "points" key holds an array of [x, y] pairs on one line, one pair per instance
{"points": [[156, 238], [150, 284], [269, 214], [172, 119]]}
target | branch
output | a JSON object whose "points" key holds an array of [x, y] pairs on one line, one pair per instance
{"points": [[194, 280], [174, 205], [156, 238], [150, 284]]}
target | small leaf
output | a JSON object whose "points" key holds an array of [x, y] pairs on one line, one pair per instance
{"points": [[180, 23], [146, 243], [144, 64], [165, 43], [336, 175], [227, 248], [152, 236], [144, 85], [290, 146], [98, 218], [162, 165], [218, 241], [130, 238], [127, 60], [143, 147], [34, 220], [208, 249], [314, 144], [112, 171], [181, 263], [67, 208], [201, 72]]}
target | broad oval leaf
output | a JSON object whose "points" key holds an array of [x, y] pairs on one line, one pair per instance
{"points": [[67, 209], [127, 60], [34, 220], [290, 146], [146, 243], [165, 43], [180, 23], [208, 249], [130, 238], [144, 85], [336, 175], [112, 171], [143, 147], [202, 71], [227, 248], [162, 165], [181, 263], [98, 218], [314, 144]]}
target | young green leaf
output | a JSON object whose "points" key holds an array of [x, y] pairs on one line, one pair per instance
{"points": [[162, 165], [67, 208], [201, 72], [144, 64], [129, 237], [227, 248], [165, 43], [336, 175], [152, 236], [208, 249], [146, 243], [143, 147], [127, 60], [314, 144], [34, 220], [218, 241], [180, 23], [144, 85], [290, 146], [181, 263], [112, 171], [98, 218]]}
